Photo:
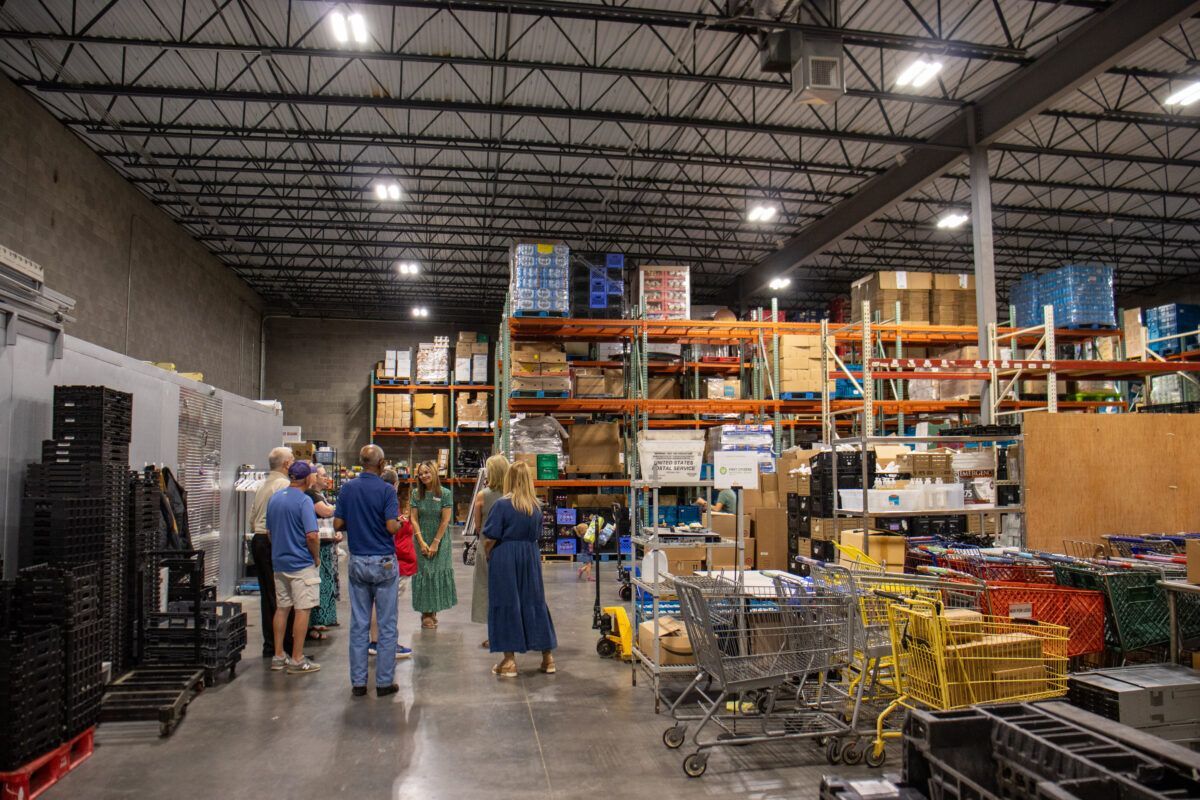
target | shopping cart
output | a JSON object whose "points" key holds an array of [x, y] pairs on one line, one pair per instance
{"points": [[1124, 545], [947, 662], [871, 681], [762, 641]]}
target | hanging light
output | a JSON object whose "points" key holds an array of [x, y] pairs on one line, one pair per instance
{"points": [[408, 267], [337, 22], [387, 191], [1185, 96], [420, 311], [761, 212], [780, 283], [358, 26]]}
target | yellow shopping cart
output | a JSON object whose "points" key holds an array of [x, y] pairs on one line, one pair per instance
{"points": [[950, 661]]}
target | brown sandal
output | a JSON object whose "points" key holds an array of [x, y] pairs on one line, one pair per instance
{"points": [[506, 673]]}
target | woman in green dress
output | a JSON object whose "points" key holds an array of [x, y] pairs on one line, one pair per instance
{"points": [[433, 585]]}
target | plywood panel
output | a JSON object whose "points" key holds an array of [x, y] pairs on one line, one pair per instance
{"points": [[1092, 474]]}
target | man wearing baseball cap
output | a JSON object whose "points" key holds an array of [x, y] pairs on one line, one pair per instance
{"points": [[295, 557]]}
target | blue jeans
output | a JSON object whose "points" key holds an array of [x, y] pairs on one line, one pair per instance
{"points": [[372, 582]]}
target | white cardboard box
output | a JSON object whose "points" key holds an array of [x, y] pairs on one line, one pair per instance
{"points": [[462, 370], [479, 368]]}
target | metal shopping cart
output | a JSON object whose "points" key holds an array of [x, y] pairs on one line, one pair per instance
{"points": [[949, 662], [769, 642]]}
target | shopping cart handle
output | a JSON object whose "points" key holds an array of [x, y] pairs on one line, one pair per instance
{"points": [[890, 595]]}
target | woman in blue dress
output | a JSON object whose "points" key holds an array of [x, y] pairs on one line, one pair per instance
{"points": [[518, 618]]}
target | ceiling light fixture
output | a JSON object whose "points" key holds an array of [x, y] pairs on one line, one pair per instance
{"points": [[761, 212], [952, 220], [408, 267], [420, 311], [337, 21], [1185, 96], [919, 73], [780, 283], [358, 26], [387, 191]]}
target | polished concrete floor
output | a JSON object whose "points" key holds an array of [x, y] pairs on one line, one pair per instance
{"points": [[453, 731]]}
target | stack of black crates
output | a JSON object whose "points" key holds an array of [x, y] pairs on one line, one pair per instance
{"points": [[76, 508], [849, 476], [31, 686]]}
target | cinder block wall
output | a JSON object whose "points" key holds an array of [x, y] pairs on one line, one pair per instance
{"points": [[142, 285], [319, 370]]}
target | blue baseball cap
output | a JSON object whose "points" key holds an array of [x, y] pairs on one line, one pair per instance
{"points": [[299, 470]]}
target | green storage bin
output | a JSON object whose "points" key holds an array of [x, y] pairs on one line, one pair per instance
{"points": [[547, 466]]}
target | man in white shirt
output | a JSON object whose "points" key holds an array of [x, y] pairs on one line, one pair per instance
{"points": [[260, 545]]}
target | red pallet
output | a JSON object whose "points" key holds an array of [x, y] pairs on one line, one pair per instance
{"points": [[44, 771]]}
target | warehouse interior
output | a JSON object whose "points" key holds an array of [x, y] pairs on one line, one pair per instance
{"points": [[851, 349]]}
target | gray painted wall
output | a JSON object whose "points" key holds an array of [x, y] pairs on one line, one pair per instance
{"points": [[143, 286], [28, 374], [318, 370]]}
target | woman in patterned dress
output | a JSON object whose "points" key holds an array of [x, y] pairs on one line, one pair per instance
{"points": [[433, 585]]}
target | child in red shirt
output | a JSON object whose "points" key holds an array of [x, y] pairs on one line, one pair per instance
{"points": [[406, 551]]}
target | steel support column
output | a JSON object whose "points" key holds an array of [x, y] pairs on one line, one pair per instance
{"points": [[985, 264]]}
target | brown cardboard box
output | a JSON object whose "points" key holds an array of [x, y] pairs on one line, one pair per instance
{"points": [[595, 448], [303, 451], [541, 383], [674, 647], [770, 536], [663, 388], [470, 407], [1013, 683], [723, 389], [752, 498], [884, 289], [768, 482], [726, 557], [1193, 560], [595, 382], [725, 525], [429, 410], [886, 549], [956, 281], [685, 566]]}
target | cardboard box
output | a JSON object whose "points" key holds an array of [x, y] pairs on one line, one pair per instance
{"points": [[1193, 560], [443, 461], [543, 383], [471, 406], [663, 388], [462, 369], [596, 382], [429, 410], [595, 448], [674, 647], [770, 536], [885, 549], [685, 566], [726, 557], [831, 530], [479, 368], [958, 281], [756, 498], [768, 482], [722, 389], [303, 451]]}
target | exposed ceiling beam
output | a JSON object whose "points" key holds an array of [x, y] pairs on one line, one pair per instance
{"points": [[1100, 42]]}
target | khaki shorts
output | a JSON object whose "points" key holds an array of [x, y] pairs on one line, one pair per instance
{"points": [[300, 590]]}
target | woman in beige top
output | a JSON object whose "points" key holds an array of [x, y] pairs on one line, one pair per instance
{"points": [[495, 469]]}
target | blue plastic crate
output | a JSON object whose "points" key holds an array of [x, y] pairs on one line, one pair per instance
{"points": [[565, 516], [616, 287], [668, 515], [614, 261], [626, 544], [1081, 294], [844, 389], [1171, 320], [688, 514], [566, 546], [1024, 297]]}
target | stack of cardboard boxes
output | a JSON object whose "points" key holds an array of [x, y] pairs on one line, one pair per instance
{"points": [[884, 289], [471, 409], [433, 360], [800, 364], [595, 449], [470, 358], [598, 382], [393, 410], [540, 366], [430, 411], [953, 299], [396, 365]]}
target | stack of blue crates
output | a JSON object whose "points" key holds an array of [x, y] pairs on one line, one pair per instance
{"points": [[606, 284], [541, 278], [1081, 294], [844, 389], [1171, 320], [1025, 298]]}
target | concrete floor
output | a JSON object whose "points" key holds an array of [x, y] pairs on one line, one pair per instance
{"points": [[453, 731]]}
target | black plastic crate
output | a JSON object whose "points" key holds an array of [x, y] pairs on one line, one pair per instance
{"points": [[80, 452], [76, 480], [63, 595], [31, 681], [91, 397]]}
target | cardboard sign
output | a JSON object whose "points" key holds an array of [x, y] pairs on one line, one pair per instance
{"points": [[732, 469]]}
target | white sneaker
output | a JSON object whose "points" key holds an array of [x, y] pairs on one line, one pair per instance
{"points": [[302, 667]]}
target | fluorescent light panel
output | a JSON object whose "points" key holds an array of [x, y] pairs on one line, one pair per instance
{"points": [[952, 220], [1185, 96], [780, 283], [919, 73], [761, 213]]}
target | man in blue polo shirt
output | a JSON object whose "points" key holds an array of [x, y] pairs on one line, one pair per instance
{"points": [[369, 512], [295, 558]]}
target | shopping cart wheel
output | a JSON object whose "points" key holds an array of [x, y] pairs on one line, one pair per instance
{"points": [[626, 592], [833, 752], [873, 760], [674, 737], [695, 764], [851, 753]]}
